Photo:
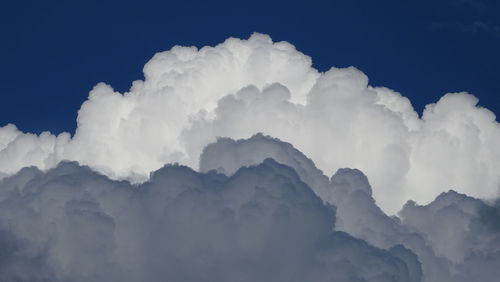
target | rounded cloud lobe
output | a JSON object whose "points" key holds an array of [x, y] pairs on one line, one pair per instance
{"points": [[455, 237], [259, 210], [191, 96], [260, 224]]}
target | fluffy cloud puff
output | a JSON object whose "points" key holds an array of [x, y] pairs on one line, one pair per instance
{"points": [[261, 224], [191, 96], [455, 237], [475, 249], [259, 221]]}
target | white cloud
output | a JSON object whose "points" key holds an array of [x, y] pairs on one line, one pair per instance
{"points": [[240, 87]]}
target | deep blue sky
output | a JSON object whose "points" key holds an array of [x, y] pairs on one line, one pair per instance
{"points": [[53, 52]]}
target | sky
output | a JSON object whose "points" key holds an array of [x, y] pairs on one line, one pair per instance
{"points": [[54, 52], [287, 141]]}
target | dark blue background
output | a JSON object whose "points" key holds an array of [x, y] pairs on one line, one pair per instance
{"points": [[52, 53]]}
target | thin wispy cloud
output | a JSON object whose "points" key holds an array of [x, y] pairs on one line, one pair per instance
{"points": [[470, 17]]}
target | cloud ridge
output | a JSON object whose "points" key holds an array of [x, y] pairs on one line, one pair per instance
{"points": [[191, 96]]}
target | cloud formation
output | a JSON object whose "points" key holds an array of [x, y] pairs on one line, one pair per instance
{"points": [[455, 237], [260, 224], [191, 96], [272, 215]]}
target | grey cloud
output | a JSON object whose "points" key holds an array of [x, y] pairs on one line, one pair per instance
{"points": [[348, 190], [260, 224], [342, 252], [453, 237], [228, 155], [270, 216], [462, 229]]}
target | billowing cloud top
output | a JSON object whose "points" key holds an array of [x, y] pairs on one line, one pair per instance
{"points": [[261, 224], [455, 237], [191, 96], [263, 219]]}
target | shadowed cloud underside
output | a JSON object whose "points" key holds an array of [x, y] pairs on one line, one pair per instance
{"points": [[261, 211]]}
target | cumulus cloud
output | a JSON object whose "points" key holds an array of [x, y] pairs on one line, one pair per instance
{"points": [[191, 96], [259, 210], [348, 190], [455, 237], [260, 224], [475, 250], [323, 207]]}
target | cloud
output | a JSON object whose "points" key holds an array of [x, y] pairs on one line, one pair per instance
{"points": [[348, 190], [347, 123], [455, 237], [227, 156], [191, 96], [260, 224], [259, 210], [475, 249]]}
